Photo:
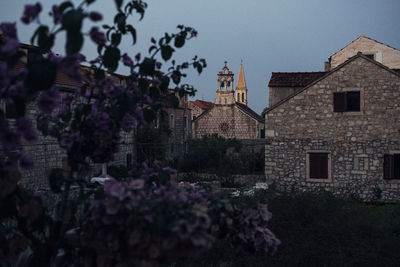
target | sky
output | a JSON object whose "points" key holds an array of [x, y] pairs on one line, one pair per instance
{"points": [[268, 35]]}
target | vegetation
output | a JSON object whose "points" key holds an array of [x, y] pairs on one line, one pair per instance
{"points": [[216, 154], [144, 219], [320, 230]]}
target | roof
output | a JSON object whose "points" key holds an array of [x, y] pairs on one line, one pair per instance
{"points": [[293, 79], [329, 73], [249, 111], [241, 84], [396, 70], [202, 104], [366, 37]]}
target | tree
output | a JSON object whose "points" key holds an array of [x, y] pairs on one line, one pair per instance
{"points": [[142, 220]]}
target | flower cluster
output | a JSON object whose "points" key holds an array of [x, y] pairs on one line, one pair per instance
{"points": [[150, 221]]}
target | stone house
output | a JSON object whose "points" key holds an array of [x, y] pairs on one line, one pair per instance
{"points": [[48, 154], [229, 117], [341, 131], [197, 107]]}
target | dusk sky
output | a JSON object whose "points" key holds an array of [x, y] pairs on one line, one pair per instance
{"points": [[268, 35]]}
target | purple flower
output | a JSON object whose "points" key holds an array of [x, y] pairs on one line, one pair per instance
{"points": [[10, 139], [112, 206], [25, 161], [9, 30], [183, 229], [49, 100], [31, 12], [71, 65], [95, 16], [137, 57], [117, 190], [148, 100], [136, 184], [128, 122], [97, 36], [56, 13], [127, 60], [11, 44], [24, 125], [169, 170], [10, 47]]}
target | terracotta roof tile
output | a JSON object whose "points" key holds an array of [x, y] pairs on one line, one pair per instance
{"points": [[293, 79], [203, 104]]}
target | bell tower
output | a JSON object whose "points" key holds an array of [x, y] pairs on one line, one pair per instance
{"points": [[241, 88], [225, 92]]}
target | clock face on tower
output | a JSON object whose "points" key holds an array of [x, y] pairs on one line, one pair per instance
{"points": [[224, 127]]}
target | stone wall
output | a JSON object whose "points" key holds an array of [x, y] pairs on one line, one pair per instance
{"points": [[227, 121], [384, 54], [276, 94], [356, 141], [356, 168], [180, 131]]}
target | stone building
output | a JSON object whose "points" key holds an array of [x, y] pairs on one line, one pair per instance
{"points": [[199, 106], [228, 117], [48, 154], [341, 131]]}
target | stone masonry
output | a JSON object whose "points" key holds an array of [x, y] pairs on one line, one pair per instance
{"points": [[355, 141]]}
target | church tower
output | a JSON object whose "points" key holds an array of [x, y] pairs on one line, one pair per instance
{"points": [[241, 88], [225, 92]]}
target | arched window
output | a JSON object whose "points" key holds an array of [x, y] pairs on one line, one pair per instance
{"points": [[238, 97], [228, 83], [221, 86], [242, 97]]}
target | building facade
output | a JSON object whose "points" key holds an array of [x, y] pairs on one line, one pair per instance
{"points": [[341, 132], [229, 117]]}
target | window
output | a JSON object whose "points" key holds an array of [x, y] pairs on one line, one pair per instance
{"points": [[371, 56], [318, 166], [346, 101], [238, 96], [242, 97], [391, 166], [228, 83], [184, 122], [222, 85]]}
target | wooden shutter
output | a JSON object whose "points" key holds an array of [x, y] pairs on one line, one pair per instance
{"points": [[318, 165], [396, 166], [339, 102], [388, 167], [353, 101]]}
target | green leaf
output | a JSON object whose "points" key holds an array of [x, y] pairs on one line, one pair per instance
{"points": [[132, 30], [88, 2], [74, 42], [147, 67], [72, 20], [148, 115], [65, 5], [166, 52], [111, 57], [116, 39], [56, 180], [179, 41], [120, 20], [45, 41]]}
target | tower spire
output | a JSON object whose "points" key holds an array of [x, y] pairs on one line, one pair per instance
{"points": [[241, 88]]}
